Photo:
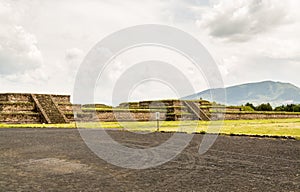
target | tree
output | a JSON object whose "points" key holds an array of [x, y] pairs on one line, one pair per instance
{"points": [[264, 107], [296, 108], [280, 108], [288, 108]]}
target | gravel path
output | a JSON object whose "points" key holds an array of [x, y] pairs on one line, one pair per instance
{"points": [[58, 160]]}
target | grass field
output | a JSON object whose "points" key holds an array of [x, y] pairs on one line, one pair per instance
{"points": [[267, 127]]}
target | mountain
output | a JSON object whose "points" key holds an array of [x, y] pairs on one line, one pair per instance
{"points": [[275, 93]]}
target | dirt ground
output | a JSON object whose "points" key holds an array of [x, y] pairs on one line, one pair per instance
{"points": [[59, 160]]}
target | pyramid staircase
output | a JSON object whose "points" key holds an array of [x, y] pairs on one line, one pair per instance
{"points": [[193, 108], [49, 109]]}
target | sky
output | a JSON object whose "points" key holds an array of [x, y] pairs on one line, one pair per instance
{"points": [[43, 43]]}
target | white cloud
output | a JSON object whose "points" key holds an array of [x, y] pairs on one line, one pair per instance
{"points": [[254, 40], [73, 58], [240, 20], [18, 48]]}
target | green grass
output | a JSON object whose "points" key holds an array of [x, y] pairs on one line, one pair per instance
{"points": [[274, 127], [267, 127]]}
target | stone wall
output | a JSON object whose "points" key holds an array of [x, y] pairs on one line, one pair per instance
{"points": [[128, 116], [17, 106], [255, 115], [61, 99], [16, 117], [16, 97], [174, 109]]}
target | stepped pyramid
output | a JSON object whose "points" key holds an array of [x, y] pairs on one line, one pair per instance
{"points": [[35, 108]]}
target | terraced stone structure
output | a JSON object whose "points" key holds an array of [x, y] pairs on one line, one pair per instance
{"points": [[174, 110], [35, 108], [52, 109]]}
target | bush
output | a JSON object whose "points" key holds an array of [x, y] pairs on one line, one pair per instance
{"points": [[247, 108], [251, 106]]}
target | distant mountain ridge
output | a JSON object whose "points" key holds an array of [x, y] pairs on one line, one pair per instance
{"points": [[275, 93]]}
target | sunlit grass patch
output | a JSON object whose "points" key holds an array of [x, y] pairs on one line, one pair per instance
{"points": [[265, 127]]}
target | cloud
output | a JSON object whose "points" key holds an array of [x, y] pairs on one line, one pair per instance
{"points": [[70, 64], [73, 58], [18, 48], [183, 12], [240, 20], [62, 73], [18, 51]]}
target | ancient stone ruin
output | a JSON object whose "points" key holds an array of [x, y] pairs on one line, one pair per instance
{"points": [[54, 109], [35, 108]]}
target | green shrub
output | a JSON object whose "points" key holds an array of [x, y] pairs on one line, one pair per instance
{"points": [[247, 108]]}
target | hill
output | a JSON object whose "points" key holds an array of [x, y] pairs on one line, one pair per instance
{"points": [[275, 93]]}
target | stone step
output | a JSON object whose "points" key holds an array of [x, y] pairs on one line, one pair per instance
{"points": [[19, 117], [195, 109], [16, 97], [6, 106]]}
